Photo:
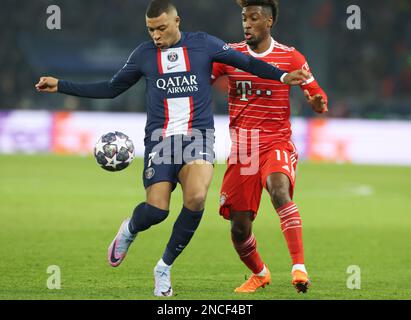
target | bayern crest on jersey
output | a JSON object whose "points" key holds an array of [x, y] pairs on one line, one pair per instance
{"points": [[223, 199]]}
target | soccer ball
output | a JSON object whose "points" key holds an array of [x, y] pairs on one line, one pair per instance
{"points": [[114, 151]]}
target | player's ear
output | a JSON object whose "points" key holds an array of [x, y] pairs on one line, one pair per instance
{"points": [[270, 22], [178, 20]]}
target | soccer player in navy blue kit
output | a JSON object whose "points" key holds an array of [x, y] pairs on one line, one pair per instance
{"points": [[179, 137]]}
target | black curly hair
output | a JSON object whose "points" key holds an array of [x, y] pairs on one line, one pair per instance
{"points": [[271, 4]]}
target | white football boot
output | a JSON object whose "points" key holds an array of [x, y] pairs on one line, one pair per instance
{"points": [[162, 281]]}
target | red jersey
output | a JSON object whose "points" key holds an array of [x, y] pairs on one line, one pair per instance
{"points": [[262, 104]]}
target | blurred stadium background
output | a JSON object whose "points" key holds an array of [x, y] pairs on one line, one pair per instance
{"points": [[45, 202], [367, 72]]}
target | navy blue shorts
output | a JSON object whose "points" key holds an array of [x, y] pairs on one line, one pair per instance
{"points": [[164, 159]]}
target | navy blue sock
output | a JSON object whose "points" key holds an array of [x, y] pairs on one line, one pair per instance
{"points": [[145, 216], [183, 230]]}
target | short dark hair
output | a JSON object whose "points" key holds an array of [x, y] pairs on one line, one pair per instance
{"points": [[272, 4], [157, 7]]}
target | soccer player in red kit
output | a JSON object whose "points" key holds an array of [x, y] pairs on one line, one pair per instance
{"points": [[258, 105]]}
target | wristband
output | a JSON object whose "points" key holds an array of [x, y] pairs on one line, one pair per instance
{"points": [[282, 77]]}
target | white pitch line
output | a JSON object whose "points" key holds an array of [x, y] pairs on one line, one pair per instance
{"points": [[363, 191]]}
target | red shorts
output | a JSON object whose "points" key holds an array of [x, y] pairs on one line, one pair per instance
{"points": [[242, 192]]}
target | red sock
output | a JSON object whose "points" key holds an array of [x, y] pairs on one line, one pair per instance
{"points": [[291, 226], [247, 251]]}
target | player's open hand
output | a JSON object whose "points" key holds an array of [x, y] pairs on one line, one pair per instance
{"points": [[47, 84], [297, 77], [317, 102]]}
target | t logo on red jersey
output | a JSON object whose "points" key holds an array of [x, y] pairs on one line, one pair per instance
{"points": [[244, 88]]}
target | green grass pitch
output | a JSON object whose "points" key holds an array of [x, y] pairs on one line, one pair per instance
{"points": [[65, 211]]}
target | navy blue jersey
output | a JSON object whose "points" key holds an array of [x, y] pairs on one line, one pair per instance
{"points": [[178, 81]]}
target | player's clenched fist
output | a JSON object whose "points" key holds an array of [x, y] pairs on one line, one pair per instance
{"points": [[47, 84], [296, 77]]}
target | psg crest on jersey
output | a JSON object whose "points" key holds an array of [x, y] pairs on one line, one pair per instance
{"points": [[172, 57], [149, 173]]}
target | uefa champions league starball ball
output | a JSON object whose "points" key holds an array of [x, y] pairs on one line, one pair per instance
{"points": [[114, 151]]}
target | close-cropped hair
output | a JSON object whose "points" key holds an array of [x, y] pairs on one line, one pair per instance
{"points": [[157, 7]]}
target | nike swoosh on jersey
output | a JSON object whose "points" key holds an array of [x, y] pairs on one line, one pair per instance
{"points": [[172, 67]]}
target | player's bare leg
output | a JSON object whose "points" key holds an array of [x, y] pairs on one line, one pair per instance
{"points": [[278, 185], [145, 215], [195, 179], [246, 246], [159, 194]]}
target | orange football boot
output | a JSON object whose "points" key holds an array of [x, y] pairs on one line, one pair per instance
{"points": [[254, 282], [300, 281]]}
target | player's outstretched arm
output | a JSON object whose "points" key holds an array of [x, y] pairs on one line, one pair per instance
{"points": [[96, 90], [267, 71], [122, 80]]}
